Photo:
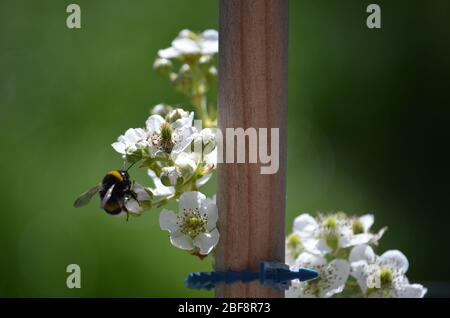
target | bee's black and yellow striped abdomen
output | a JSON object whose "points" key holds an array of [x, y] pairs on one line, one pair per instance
{"points": [[113, 207]]}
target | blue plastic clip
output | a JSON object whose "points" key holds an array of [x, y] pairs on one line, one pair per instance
{"points": [[272, 274]]}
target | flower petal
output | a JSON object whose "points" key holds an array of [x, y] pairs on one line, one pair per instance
{"points": [[305, 225], [203, 180], [297, 290], [395, 260], [211, 158], [133, 206], [315, 246], [210, 43], [141, 192], [362, 253], [367, 221], [352, 240], [336, 275], [208, 135], [309, 260], [185, 33], [186, 46], [206, 241], [359, 272], [185, 120], [154, 123], [168, 53], [132, 135], [411, 291], [210, 35], [182, 241], [209, 208], [376, 237], [168, 221], [191, 200], [119, 147], [185, 161], [186, 135]]}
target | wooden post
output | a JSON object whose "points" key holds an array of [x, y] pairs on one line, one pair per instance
{"points": [[253, 36]]}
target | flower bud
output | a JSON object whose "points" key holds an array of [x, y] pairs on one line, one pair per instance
{"points": [[184, 80], [205, 59], [131, 149], [170, 176], [176, 114], [162, 110], [212, 71], [186, 164], [330, 223], [162, 66]]}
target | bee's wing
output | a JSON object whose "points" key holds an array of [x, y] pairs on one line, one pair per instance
{"points": [[107, 196], [85, 197]]}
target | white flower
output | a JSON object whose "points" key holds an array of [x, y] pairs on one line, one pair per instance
{"points": [[336, 231], [194, 227], [162, 66], [169, 138], [143, 196], [131, 141], [188, 43], [383, 276], [161, 109], [332, 277]]}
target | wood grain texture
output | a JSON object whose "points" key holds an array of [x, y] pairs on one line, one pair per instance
{"points": [[252, 93]]}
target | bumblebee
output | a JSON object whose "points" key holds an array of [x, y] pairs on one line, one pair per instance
{"points": [[115, 191]]}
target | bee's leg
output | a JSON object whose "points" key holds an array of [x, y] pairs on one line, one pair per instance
{"points": [[134, 196], [124, 209]]}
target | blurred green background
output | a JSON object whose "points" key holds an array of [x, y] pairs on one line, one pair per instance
{"points": [[368, 133]]}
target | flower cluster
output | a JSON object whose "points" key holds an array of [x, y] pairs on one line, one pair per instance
{"points": [[194, 227], [179, 156], [194, 52], [339, 248]]}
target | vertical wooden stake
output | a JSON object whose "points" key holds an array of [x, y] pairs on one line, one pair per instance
{"points": [[253, 38]]}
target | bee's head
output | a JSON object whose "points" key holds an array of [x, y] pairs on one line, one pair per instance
{"points": [[125, 175]]}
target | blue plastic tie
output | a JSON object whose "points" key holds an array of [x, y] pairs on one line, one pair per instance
{"points": [[272, 274]]}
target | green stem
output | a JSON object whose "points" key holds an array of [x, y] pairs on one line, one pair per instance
{"points": [[200, 103], [162, 202]]}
